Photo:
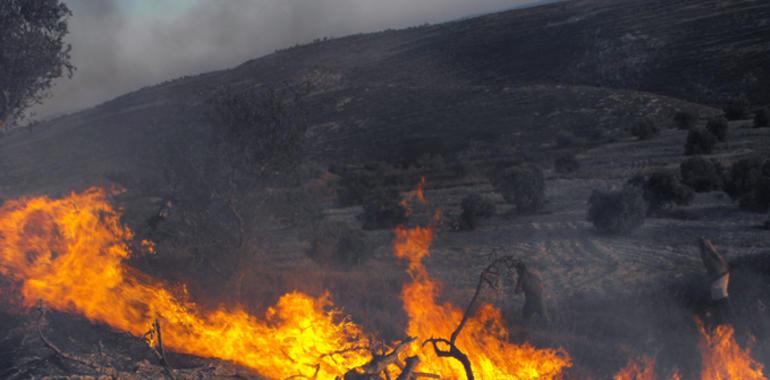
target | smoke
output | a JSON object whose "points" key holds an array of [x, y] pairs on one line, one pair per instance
{"points": [[122, 46]]}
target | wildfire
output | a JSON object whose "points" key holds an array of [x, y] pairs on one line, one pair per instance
{"points": [[638, 370], [69, 253], [723, 358], [484, 338]]}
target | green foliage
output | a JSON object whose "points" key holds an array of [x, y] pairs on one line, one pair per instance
{"points": [[699, 141], [524, 186], [383, 209], [718, 127], [566, 164], [645, 129], [701, 175], [664, 190], [474, 208], [617, 212], [32, 53], [685, 120]]}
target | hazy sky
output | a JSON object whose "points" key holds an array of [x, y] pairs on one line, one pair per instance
{"points": [[122, 45]]}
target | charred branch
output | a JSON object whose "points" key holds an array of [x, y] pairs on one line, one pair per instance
{"points": [[489, 276]]}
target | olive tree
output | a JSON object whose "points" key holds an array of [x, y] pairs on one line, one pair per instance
{"points": [[32, 53]]}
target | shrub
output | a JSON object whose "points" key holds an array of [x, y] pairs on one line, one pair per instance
{"points": [[337, 245], [718, 128], [744, 174], [685, 120], [736, 109], [664, 189], [761, 118], [523, 186], [475, 207], [617, 212], [566, 164], [749, 184], [383, 209], [701, 174], [699, 141], [356, 185], [645, 129]]}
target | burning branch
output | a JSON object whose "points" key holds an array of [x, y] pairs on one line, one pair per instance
{"points": [[380, 363], [155, 335], [489, 276]]}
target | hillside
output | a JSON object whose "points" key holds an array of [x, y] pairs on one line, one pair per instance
{"points": [[525, 72]]}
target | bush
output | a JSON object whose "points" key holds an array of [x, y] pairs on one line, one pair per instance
{"points": [[737, 109], [718, 128], [337, 245], [645, 129], [749, 184], [701, 174], [475, 207], [383, 209], [743, 176], [356, 185], [523, 186], [664, 190], [685, 120], [566, 164], [617, 212], [761, 118], [699, 141]]}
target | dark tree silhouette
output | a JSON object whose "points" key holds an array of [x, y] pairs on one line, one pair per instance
{"points": [[617, 212], [523, 186], [32, 53], [699, 141], [664, 190]]}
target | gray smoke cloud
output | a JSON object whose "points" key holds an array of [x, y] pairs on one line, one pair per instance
{"points": [[119, 48]]}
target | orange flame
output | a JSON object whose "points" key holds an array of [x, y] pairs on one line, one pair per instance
{"points": [[723, 358], [484, 339], [643, 369], [69, 253]]}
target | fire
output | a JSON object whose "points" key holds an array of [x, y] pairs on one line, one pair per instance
{"points": [[69, 253], [723, 358], [643, 369], [485, 337]]}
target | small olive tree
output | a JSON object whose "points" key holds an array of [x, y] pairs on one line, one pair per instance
{"points": [[474, 208], [699, 141], [664, 189], [617, 212], [524, 186], [701, 175]]}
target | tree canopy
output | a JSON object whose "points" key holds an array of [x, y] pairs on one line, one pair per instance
{"points": [[32, 53]]}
